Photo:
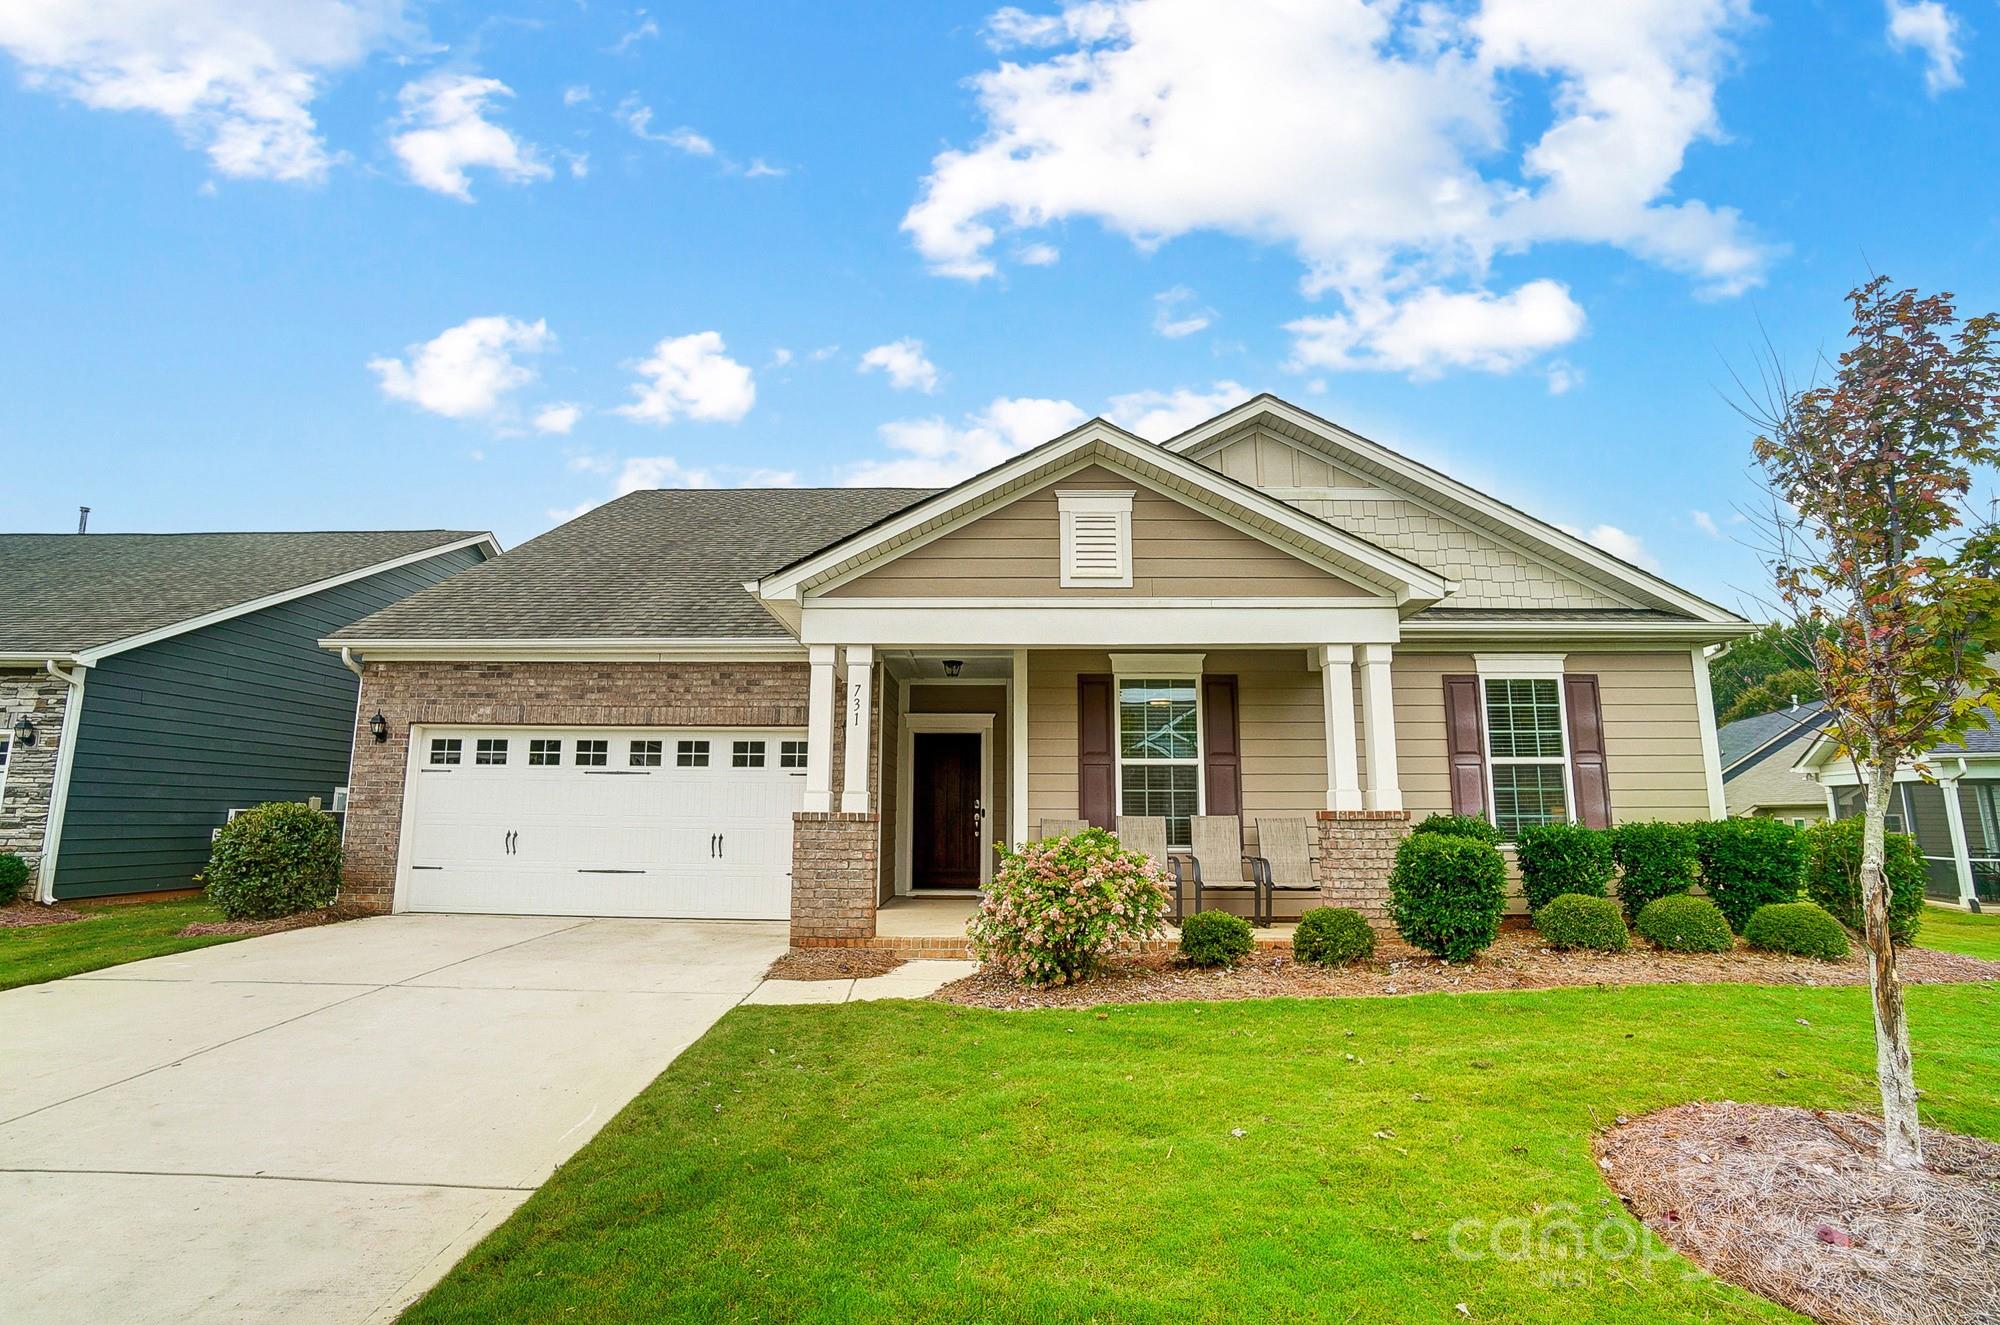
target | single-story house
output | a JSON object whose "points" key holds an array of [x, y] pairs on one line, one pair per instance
{"points": [[814, 705], [1758, 775], [151, 683]]}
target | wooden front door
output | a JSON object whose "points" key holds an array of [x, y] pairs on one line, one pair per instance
{"points": [[944, 809]]}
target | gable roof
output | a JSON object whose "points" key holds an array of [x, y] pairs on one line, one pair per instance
{"points": [[1746, 737], [64, 595], [660, 564]]}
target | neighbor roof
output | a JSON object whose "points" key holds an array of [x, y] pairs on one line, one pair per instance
{"points": [[664, 563], [63, 594], [1746, 736]]}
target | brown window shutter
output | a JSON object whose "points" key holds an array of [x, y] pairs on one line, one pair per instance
{"points": [[1222, 750], [1586, 751], [1465, 744], [1096, 751]]}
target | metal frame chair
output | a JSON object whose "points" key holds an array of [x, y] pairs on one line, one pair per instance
{"points": [[1285, 847], [1218, 838], [1147, 835], [1047, 828]]}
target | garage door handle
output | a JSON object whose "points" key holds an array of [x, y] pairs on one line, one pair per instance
{"points": [[720, 843]]}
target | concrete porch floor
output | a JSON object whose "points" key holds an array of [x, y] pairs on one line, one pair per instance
{"points": [[921, 919]]}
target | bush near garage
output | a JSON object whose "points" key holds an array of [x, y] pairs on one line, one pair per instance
{"points": [[1333, 936], [1685, 924], [1655, 859], [1580, 920], [1803, 929], [1749, 863], [1056, 906], [273, 860], [1563, 859], [1446, 894], [1833, 875]]}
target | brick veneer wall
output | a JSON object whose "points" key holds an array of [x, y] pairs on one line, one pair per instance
{"points": [[31, 769], [771, 694], [834, 863], [1357, 849]]}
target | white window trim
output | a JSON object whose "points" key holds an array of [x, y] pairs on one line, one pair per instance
{"points": [[6, 758], [1523, 673], [1071, 504], [1123, 670]]}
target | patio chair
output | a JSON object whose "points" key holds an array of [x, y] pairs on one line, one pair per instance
{"points": [[1059, 827], [1285, 845], [1219, 862], [1147, 835]]}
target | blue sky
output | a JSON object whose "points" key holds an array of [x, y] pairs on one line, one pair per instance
{"points": [[356, 263]]}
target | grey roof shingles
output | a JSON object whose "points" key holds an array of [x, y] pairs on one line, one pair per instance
{"points": [[64, 593], [1747, 735], [660, 563]]}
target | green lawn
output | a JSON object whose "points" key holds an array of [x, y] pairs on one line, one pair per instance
{"points": [[902, 1161], [1950, 930], [111, 936]]}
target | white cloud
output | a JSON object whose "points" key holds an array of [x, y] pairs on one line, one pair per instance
{"points": [[1927, 26], [237, 80], [577, 95], [447, 133], [935, 452], [759, 168], [1434, 330], [1037, 255], [1158, 415], [822, 354], [1012, 28], [1564, 377], [558, 418], [1624, 546], [691, 376], [1706, 523], [664, 471], [1176, 313], [466, 371], [644, 32], [638, 117], [904, 361]]}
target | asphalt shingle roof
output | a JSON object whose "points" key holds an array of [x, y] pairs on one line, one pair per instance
{"points": [[1745, 735], [61, 593], [665, 563]]}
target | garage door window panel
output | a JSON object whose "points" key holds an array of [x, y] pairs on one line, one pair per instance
{"points": [[645, 754], [592, 754], [691, 754], [446, 750], [746, 754], [544, 753]]}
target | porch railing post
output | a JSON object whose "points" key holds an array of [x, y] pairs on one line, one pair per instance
{"points": [[1961, 851], [1378, 729], [1017, 752], [819, 729], [1343, 761]]}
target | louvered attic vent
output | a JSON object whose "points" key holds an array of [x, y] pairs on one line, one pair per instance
{"points": [[1096, 539]]}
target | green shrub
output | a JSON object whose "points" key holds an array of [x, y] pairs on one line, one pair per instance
{"points": [[1460, 825], [1748, 863], [1680, 923], [1215, 938], [1580, 920], [1055, 906], [1655, 859], [1560, 859], [273, 860], [1833, 875], [1446, 894], [13, 877], [1803, 929], [1332, 936]]}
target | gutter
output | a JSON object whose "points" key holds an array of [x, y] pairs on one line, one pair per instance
{"points": [[347, 660], [45, 884]]}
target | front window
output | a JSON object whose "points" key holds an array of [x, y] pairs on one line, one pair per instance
{"points": [[1526, 752], [1159, 752]]}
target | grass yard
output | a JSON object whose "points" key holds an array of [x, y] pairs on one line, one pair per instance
{"points": [[1949, 930], [903, 1161], [111, 936]]}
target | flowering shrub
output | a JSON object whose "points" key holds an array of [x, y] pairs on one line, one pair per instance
{"points": [[1057, 905]]}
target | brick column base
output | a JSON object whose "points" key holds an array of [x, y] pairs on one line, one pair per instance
{"points": [[834, 866], [1357, 849]]}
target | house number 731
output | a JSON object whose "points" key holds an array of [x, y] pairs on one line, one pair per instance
{"points": [[854, 704]]}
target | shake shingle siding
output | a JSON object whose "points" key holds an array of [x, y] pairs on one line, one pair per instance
{"points": [[175, 734]]}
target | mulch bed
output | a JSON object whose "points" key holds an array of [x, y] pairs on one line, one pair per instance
{"points": [[1793, 1204], [832, 964], [23, 915], [251, 928], [1517, 960]]}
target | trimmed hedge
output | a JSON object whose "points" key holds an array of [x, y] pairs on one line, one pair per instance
{"points": [[1833, 875], [1563, 859], [1215, 938], [13, 877], [1580, 920], [1685, 924], [1459, 825], [1655, 859], [1446, 894], [1332, 936], [1748, 863], [272, 860], [1803, 929]]}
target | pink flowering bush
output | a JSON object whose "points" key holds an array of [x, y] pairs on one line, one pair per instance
{"points": [[1057, 905]]}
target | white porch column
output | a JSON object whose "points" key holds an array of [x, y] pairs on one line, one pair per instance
{"points": [[1017, 752], [1378, 729], [857, 703], [1343, 765], [1961, 853], [819, 729]]}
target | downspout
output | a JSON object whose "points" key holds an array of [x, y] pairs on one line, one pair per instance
{"points": [[45, 885], [347, 660]]}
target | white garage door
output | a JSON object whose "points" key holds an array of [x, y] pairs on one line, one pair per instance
{"points": [[598, 822]]}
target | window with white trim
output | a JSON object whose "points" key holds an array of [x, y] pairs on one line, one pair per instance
{"points": [[446, 749], [6, 752], [1096, 539], [1159, 751], [492, 751], [592, 753], [691, 754], [791, 754], [1527, 753], [746, 754], [645, 754], [544, 752]]}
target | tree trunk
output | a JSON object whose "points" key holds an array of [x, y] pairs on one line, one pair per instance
{"points": [[1902, 1146]]}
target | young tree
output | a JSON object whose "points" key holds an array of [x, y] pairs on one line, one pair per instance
{"points": [[1874, 549]]}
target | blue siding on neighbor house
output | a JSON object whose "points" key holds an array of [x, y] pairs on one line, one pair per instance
{"points": [[175, 734]]}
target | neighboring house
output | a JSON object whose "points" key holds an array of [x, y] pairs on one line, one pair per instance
{"points": [[806, 704], [151, 683], [1758, 778]]}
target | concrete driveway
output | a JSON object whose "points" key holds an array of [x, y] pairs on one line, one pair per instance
{"points": [[314, 1126]]}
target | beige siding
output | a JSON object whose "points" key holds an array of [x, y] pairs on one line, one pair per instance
{"points": [[1015, 552]]}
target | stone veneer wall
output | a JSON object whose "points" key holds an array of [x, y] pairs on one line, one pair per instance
{"points": [[31, 769], [835, 858], [1357, 849]]}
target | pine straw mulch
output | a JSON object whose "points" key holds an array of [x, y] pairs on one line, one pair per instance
{"points": [[832, 964], [23, 915], [326, 915], [1517, 960], [1793, 1204]]}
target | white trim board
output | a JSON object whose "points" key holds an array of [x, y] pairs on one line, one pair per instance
{"points": [[52, 827], [572, 650], [980, 724]]}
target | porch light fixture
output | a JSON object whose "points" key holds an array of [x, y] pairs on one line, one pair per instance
{"points": [[24, 730], [378, 727], [953, 666]]}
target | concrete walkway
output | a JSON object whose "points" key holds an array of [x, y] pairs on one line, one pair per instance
{"points": [[313, 1126]]}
